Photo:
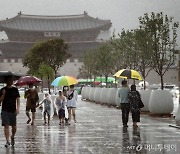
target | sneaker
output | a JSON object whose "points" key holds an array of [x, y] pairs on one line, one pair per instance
{"points": [[12, 141], [7, 144]]}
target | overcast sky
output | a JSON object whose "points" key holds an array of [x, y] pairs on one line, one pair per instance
{"points": [[122, 13]]}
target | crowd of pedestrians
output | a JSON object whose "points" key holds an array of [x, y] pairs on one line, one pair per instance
{"points": [[65, 105]]}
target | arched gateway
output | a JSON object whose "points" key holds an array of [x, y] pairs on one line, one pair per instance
{"points": [[82, 32]]}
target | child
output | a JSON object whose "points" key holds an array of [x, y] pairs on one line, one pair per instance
{"points": [[47, 102], [60, 103]]}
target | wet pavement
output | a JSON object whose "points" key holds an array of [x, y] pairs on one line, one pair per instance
{"points": [[98, 131]]}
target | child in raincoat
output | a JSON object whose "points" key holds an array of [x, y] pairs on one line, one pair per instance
{"points": [[60, 103], [47, 108]]}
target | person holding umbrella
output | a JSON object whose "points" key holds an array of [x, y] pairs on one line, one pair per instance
{"points": [[72, 97], [32, 102], [10, 98]]}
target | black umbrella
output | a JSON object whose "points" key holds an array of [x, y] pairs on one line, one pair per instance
{"points": [[4, 74]]}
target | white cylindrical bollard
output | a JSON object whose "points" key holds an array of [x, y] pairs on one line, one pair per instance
{"points": [[104, 94], [177, 117], [161, 102], [97, 94], [112, 96], [91, 94], [145, 96]]}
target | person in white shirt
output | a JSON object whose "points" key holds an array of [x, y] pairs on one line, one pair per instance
{"points": [[72, 97]]}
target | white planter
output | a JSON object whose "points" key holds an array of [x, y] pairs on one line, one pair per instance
{"points": [[161, 102], [86, 95], [111, 98], [91, 94], [177, 117], [97, 94], [83, 92], [104, 95], [145, 95]]}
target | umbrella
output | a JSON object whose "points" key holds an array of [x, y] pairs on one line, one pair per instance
{"points": [[4, 74], [64, 81], [128, 74], [103, 79], [141, 84], [85, 80], [26, 80]]}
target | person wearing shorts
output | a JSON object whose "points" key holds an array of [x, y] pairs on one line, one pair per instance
{"points": [[10, 98], [46, 103], [31, 103], [72, 97]]}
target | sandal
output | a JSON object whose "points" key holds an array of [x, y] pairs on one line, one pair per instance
{"points": [[28, 121]]}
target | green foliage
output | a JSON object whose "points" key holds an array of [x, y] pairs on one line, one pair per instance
{"points": [[52, 52], [151, 46], [45, 71], [163, 33]]}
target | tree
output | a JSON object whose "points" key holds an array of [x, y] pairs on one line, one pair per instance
{"points": [[105, 61], [47, 72], [52, 52], [163, 33], [144, 48], [88, 67]]}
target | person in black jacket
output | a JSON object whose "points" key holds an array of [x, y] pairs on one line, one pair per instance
{"points": [[134, 98]]}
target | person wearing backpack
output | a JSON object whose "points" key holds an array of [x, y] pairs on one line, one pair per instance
{"points": [[72, 97]]}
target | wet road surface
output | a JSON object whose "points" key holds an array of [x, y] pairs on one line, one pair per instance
{"points": [[98, 131]]}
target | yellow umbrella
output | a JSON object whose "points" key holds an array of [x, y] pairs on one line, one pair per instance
{"points": [[128, 74]]}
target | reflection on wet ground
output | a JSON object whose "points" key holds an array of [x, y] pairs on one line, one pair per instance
{"points": [[98, 130]]}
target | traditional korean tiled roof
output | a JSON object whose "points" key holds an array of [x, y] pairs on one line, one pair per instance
{"points": [[54, 23]]}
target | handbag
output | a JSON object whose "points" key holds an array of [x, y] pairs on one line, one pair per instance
{"points": [[140, 104], [70, 96]]}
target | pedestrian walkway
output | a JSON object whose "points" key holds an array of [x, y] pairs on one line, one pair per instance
{"points": [[98, 131]]}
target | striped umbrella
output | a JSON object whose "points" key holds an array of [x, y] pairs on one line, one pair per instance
{"points": [[64, 81], [128, 74]]}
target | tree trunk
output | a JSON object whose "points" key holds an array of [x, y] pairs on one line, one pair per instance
{"points": [[162, 82], [94, 81], [106, 78], [144, 86], [115, 82], [49, 85]]}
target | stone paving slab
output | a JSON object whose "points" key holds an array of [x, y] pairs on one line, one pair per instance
{"points": [[98, 131]]}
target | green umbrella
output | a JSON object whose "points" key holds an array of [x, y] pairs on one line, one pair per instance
{"points": [[103, 79], [85, 80]]}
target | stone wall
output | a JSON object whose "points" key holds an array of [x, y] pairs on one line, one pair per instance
{"points": [[70, 68]]}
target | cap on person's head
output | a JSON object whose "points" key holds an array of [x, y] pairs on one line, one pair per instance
{"points": [[124, 82]]}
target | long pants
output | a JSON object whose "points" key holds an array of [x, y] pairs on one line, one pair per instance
{"points": [[125, 107]]}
